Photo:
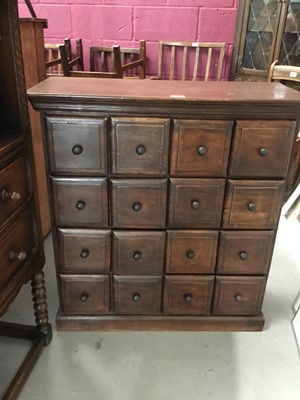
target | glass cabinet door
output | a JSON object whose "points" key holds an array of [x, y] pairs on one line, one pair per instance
{"points": [[267, 30], [262, 28], [290, 44]]}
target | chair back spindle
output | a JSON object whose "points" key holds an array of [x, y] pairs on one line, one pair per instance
{"points": [[199, 61]]}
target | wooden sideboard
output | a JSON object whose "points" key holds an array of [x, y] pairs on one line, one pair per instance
{"points": [[21, 242], [165, 198]]}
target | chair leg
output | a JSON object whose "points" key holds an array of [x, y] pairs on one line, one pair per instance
{"points": [[40, 336], [40, 307]]}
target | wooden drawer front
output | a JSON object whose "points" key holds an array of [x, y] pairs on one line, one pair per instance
{"points": [[238, 295], [140, 146], [80, 202], [13, 188], [137, 294], [84, 250], [252, 204], [196, 203], [200, 148], [139, 203], [191, 252], [138, 253], [85, 294], [261, 148], [188, 294], [77, 145], [16, 245], [245, 252]]}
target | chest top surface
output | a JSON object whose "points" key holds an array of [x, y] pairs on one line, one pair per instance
{"points": [[173, 91]]}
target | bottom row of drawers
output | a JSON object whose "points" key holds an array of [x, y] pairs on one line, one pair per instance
{"points": [[171, 295]]}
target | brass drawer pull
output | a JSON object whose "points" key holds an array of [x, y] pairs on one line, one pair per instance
{"points": [[238, 298], [84, 297], [188, 298], [140, 150], [15, 255], [190, 254], [202, 150], [195, 204], [243, 255], [263, 152], [77, 150], [6, 195], [84, 253], [137, 255], [252, 207], [80, 205], [136, 297], [136, 207]]}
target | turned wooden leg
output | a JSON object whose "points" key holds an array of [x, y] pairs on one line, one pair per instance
{"points": [[40, 307]]}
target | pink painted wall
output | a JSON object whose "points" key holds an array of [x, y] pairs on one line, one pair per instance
{"points": [[125, 22]]}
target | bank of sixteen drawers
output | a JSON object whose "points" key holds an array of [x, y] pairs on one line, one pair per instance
{"points": [[164, 210]]}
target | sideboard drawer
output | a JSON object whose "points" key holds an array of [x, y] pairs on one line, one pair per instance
{"points": [[140, 146], [13, 188], [200, 148], [84, 250], [252, 204], [191, 252], [80, 202], [245, 252], [196, 203], [77, 145], [85, 294], [139, 203], [188, 294], [138, 252], [137, 294], [16, 245], [238, 295], [261, 148]]}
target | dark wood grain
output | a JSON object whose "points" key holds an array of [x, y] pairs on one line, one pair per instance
{"points": [[21, 241], [181, 207]]}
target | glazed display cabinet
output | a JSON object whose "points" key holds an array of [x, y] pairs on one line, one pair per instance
{"points": [[267, 30]]}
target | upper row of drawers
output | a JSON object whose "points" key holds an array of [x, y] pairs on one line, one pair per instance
{"points": [[161, 147]]}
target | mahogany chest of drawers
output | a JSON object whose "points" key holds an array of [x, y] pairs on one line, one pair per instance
{"points": [[165, 199]]}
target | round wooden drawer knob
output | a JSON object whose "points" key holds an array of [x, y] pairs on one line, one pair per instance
{"points": [[238, 298], [77, 150], [84, 253], [80, 205], [202, 150], [243, 255], [188, 298], [6, 195], [136, 297], [140, 150], [190, 254], [17, 255], [84, 297], [252, 207], [137, 255], [195, 204], [263, 152], [136, 207]]}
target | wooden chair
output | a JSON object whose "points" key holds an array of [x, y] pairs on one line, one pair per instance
{"points": [[283, 73], [289, 75], [69, 63], [190, 60], [133, 60], [53, 58]]}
